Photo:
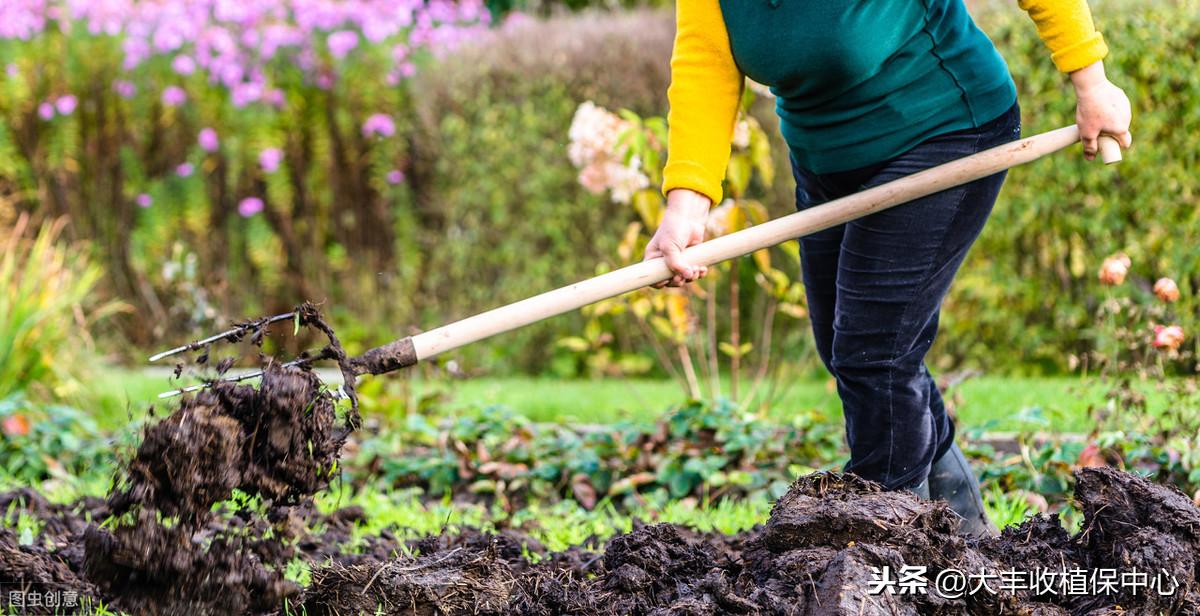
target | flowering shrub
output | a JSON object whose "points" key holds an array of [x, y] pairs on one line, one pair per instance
{"points": [[1138, 343], [248, 123], [622, 155]]}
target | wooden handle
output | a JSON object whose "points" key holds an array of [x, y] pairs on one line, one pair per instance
{"points": [[1110, 150], [746, 241]]}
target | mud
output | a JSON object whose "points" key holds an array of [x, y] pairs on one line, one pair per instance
{"points": [[167, 549], [168, 541], [817, 553]]}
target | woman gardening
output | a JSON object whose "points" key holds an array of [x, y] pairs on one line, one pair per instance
{"points": [[868, 91]]}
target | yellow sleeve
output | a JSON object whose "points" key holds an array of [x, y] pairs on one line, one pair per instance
{"points": [[706, 87], [1066, 27]]}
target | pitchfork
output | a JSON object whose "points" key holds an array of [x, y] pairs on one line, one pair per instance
{"points": [[409, 351]]}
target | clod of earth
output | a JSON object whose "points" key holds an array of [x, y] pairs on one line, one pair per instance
{"points": [[160, 544], [816, 554]]}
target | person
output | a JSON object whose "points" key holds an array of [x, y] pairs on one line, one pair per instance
{"points": [[867, 92]]}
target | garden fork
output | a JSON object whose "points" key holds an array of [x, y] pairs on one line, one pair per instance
{"points": [[409, 351]]}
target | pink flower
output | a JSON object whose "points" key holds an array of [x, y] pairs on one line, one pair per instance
{"points": [[269, 159], [594, 178], [124, 89], [250, 206], [1114, 269], [379, 124], [174, 96], [245, 93], [12, 70], [395, 176], [46, 111], [275, 97], [342, 43], [143, 201], [1166, 290], [183, 64], [1169, 337], [184, 170], [208, 140], [66, 104]]}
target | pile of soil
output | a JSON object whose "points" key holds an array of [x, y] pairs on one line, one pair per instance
{"points": [[163, 543], [818, 553]]}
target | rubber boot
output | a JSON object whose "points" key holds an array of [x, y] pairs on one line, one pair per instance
{"points": [[921, 490], [952, 480]]}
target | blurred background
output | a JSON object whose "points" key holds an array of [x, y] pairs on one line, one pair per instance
{"points": [[169, 167]]}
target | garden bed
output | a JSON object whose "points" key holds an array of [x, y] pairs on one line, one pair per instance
{"points": [[816, 554], [215, 507]]}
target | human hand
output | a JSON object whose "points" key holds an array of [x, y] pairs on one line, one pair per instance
{"points": [[1102, 108], [682, 226]]}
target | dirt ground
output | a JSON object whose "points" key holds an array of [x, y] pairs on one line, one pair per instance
{"points": [[163, 542]]}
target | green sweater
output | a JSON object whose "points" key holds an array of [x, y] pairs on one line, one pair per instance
{"points": [[858, 82]]}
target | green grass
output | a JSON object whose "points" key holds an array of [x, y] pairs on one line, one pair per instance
{"points": [[557, 525], [985, 403]]}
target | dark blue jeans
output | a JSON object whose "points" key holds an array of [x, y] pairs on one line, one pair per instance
{"points": [[875, 288]]}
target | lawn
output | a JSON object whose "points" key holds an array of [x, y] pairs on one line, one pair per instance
{"points": [[985, 403]]}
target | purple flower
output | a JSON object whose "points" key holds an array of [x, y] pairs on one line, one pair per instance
{"points": [[208, 140], [379, 124], [342, 43], [245, 93], [183, 64], [12, 70], [46, 111], [269, 159], [174, 96], [395, 176], [275, 97], [184, 170], [124, 89], [400, 53], [250, 206], [230, 71], [143, 201], [66, 104]]}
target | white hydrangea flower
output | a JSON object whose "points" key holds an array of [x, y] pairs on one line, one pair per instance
{"points": [[593, 134], [624, 180]]}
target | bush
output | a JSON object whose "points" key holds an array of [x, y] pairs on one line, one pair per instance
{"points": [[492, 212], [1027, 293], [44, 312], [501, 214]]}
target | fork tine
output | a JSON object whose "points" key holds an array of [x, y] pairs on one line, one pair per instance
{"points": [[232, 379], [218, 337]]}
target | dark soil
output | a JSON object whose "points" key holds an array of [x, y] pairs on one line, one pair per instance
{"points": [[166, 541], [279, 441], [816, 554]]}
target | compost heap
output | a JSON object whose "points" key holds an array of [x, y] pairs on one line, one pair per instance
{"points": [[162, 543]]}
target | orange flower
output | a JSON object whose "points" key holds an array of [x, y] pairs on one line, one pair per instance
{"points": [[1114, 269], [1168, 337], [15, 425], [1166, 290]]}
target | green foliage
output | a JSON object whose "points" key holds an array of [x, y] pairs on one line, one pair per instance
{"points": [[709, 451], [500, 212], [44, 312], [1027, 294], [49, 441]]}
